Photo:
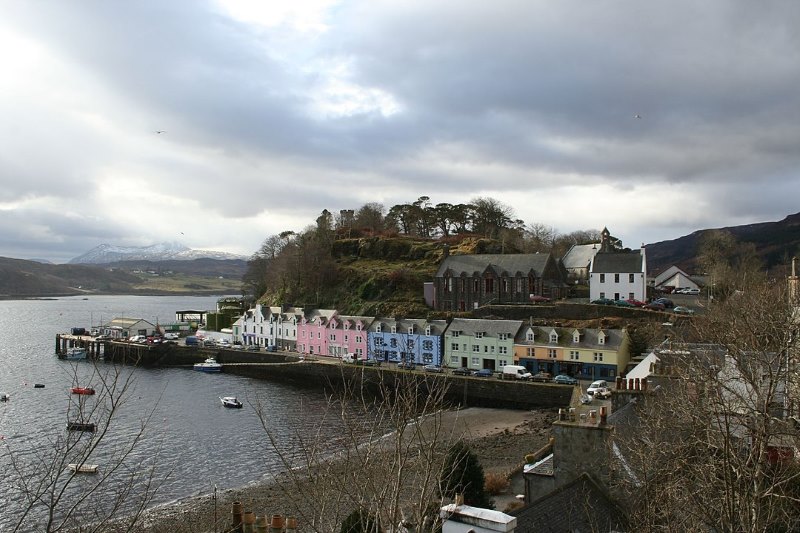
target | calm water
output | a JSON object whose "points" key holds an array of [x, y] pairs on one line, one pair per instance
{"points": [[189, 430]]}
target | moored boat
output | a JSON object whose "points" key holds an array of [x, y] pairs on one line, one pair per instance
{"points": [[83, 469], [4, 397], [231, 402], [82, 390], [80, 426], [209, 365], [73, 354]]}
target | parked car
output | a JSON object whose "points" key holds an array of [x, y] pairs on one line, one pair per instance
{"points": [[602, 301], [172, 336], [565, 380], [596, 385], [655, 306], [407, 365], [538, 298], [433, 368], [636, 303], [602, 392], [693, 292], [368, 362], [483, 373], [623, 303], [667, 302], [253, 348], [681, 310], [544, 377], [463, 371]]}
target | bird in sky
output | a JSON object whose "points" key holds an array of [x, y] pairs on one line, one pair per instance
{"points": [[637, 116], [160, 131]]}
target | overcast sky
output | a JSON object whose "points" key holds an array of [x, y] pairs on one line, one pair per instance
{"points": [[652, 118]]}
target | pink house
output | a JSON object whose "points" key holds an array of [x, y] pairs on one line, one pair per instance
{"points": [[348, 334], [312, 332]]}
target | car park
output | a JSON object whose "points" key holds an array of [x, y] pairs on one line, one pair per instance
{"points": [[463, 371], [602, 301], [433, 368], [681, 310], [544, 377], [666, 301], [596, 385], [564, 379], [483, 373]]}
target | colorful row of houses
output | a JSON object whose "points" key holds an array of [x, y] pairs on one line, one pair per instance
{"points": [[585, 353]]}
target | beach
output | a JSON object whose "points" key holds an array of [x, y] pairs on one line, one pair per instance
{"points": [[500, 439]]}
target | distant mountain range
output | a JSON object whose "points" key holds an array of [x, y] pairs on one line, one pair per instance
{"points": [[165, 251], [775, 242]]}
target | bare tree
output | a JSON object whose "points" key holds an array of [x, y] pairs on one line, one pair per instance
{"points": [[716, 443], [53, 498], [388, 462]]}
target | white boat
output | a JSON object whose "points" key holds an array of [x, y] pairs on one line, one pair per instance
{"points": [[83, 469], [231, 401], [209, 365], [73, 354]]}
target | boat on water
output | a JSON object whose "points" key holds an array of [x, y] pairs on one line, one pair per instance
{"points": [[83, 469], [4, 397], [209, 365], [73, 354], [82, 390], [81, 426], [231, 402]]}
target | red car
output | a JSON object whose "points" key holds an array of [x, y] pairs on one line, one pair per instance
{"points": [[634, 301], [655, 306]]}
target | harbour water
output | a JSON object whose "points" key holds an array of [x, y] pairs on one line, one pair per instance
{"points": [[188, 433]]}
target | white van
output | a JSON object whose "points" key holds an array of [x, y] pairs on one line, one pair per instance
{"points": [[515, 372], [349, 358]]}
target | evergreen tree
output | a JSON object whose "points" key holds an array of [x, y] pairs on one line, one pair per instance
{"points": [[463, 474], [360, 521]]}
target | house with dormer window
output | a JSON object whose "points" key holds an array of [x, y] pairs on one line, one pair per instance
{"points": [[283, 323], [584, 353], [312, 331], [417, 341], [348, 334], [479, 343]]}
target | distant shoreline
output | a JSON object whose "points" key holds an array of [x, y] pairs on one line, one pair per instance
{"points": [[148, 292]]}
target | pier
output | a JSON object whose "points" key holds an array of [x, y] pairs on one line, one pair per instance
{"points": [[94, 348]]}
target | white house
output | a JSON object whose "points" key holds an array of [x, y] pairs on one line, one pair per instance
{"points": [[123, 328], [618, 275], [676, 278]]}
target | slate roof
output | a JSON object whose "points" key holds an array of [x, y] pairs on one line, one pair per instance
{"points": [[491, 328], [580, 255], [508, 264], [588, 339], [402, 325], [541, 468], [617, 263], [580, 506]]}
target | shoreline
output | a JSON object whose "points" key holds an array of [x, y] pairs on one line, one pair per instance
{"points": [[500, 438]]}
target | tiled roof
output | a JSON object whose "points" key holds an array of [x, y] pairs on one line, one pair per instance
{"points": [[500, 263], [580, 506], [542, 468], [617, 263], [588, 338], [470, 326], [402, 325]]}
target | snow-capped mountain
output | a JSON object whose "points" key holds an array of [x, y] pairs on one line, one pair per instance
{"points": [[107, 253]]}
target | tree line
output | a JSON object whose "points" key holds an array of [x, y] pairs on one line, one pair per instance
{"points": [[292, 263]]}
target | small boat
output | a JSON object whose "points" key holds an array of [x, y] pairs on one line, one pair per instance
{"points": [[82, 390], [73, 354], [38, 385], [209, 365], [83, 469], [80, 426], [4, 397], [231, 401]]}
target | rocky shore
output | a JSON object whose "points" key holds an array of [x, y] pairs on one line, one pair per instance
{"points": [[500, 438]]}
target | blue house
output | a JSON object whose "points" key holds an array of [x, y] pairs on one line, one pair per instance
{"points": [[408, 340]]}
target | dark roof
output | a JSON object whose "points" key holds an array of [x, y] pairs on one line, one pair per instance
{"points": [[580, 506], [617, 263], [508, 263]]}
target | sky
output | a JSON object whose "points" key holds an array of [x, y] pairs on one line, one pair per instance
{"points": [[218, 123]]}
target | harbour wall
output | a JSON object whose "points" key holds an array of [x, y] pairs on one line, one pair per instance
{"points": [[289, 367]]}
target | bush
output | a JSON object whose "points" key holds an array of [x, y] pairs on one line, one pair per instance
{"points": [[495, 483]]}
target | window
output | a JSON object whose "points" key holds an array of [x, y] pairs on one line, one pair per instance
{"points": [[630, 278], [502, 363], [529, 336], [410, 344], [428, 331], [502, 336], [553, 337], [359, 339], [630, 296], [551, 353], [358, 327], [448, 285], [394, 329], [393, 342], [598, 356], [346, 338], [602, 278], [479, 335], [332, 337], [475, 361], [476, 348], [502, 350], [574, 355], [359, 352], [601, 339], [489, 285], [616, 278], [576, 337], [455, 333], [378, 341], [475, 286], [378, 328], [505, 286], [454, 346], [427, 358], [454, 359], [427, 345]]}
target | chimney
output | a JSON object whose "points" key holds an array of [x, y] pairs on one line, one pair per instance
{"points": [[236, 515], [445, 251], [276, 524]]}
